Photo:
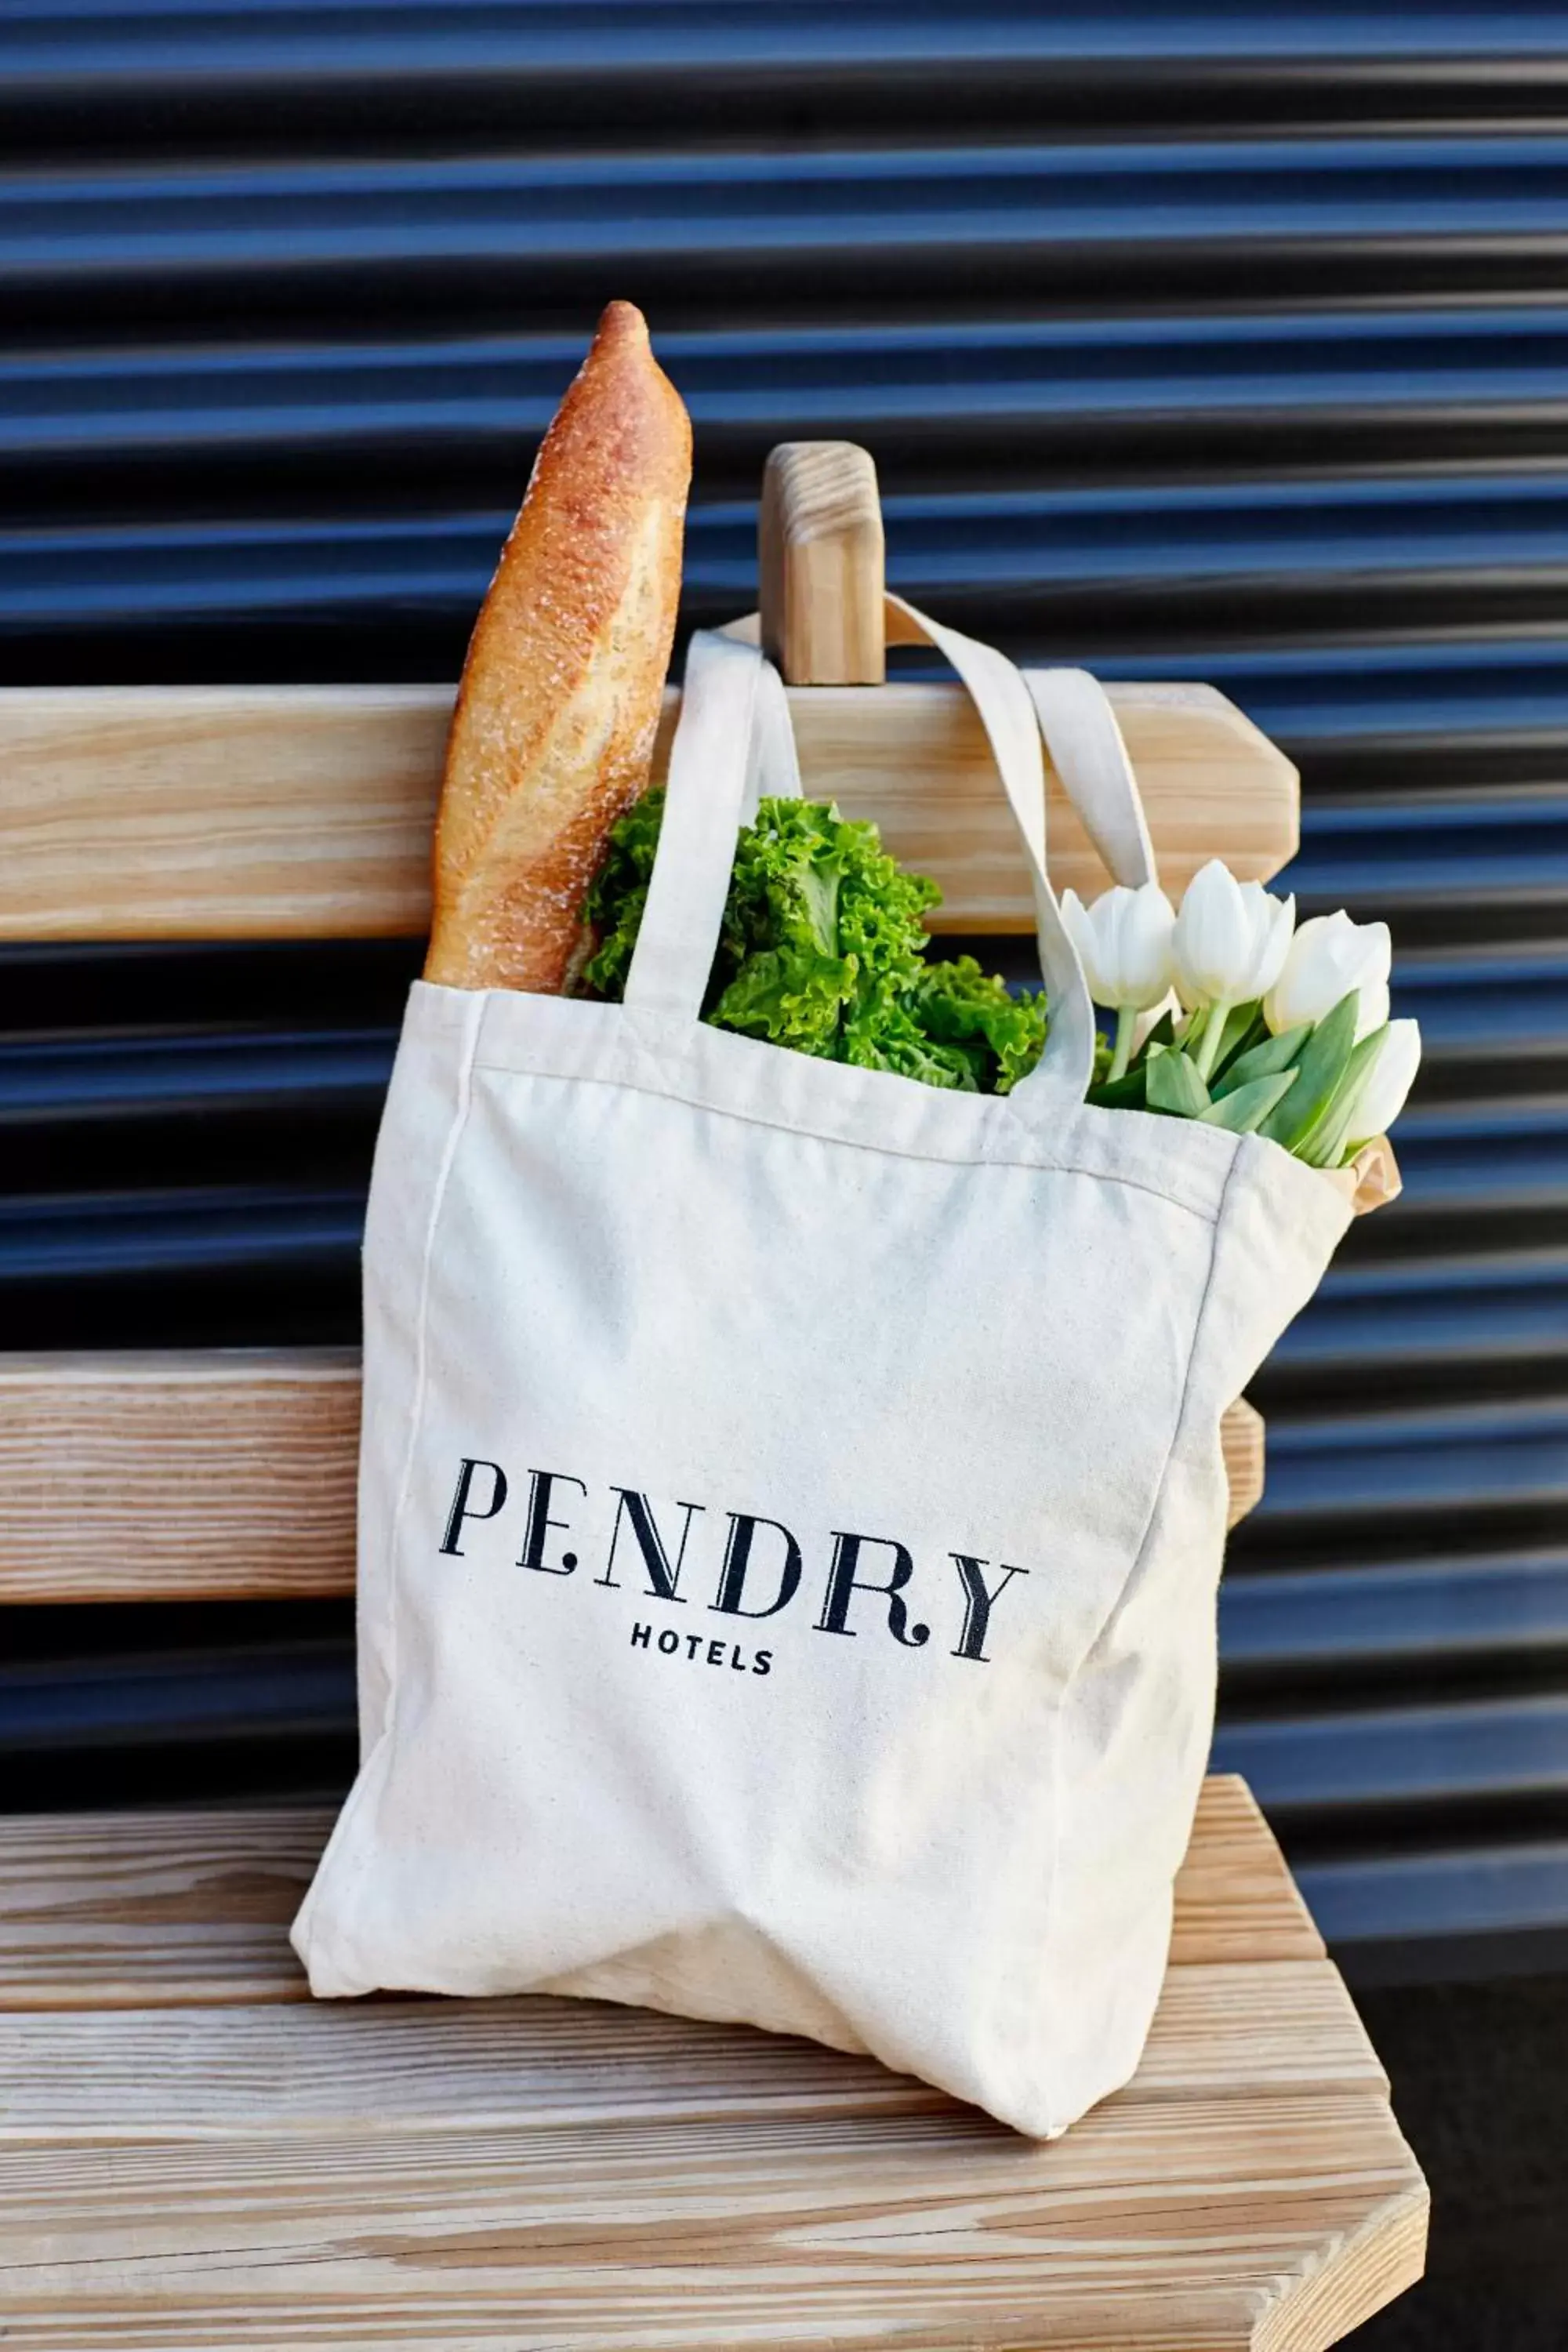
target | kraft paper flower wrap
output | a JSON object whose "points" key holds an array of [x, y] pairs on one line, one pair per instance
{"points": [[755, 1621]]}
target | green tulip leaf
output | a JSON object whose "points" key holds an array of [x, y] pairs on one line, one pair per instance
{"points": [[1244, 1110], [1294, 1121], [1244, 1025], [1325, 1146], [1263, 1061], [1126, 1093], [1175, 1088]]}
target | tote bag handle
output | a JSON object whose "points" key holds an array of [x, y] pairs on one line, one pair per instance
{"points": [[1089, 757], [733, 742]]}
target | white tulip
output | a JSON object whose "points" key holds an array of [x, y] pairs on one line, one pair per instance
{"points": [[1372, 1007], [1231, 940], [1380, 1096], [1123, 942], [1228, 948], [1329, 956]]}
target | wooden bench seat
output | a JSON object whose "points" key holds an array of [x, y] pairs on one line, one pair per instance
{"points": [[193, 2155]]}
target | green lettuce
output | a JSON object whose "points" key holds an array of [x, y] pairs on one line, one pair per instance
{"points": [[823, 950]]}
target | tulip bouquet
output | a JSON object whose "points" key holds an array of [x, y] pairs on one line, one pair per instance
{"points": [[1230, 1012]]}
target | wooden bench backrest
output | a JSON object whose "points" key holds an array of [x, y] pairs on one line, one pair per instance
{"points": [[305, 813]]}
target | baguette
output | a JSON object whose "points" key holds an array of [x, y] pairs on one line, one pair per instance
{"points": [[554, 730]]}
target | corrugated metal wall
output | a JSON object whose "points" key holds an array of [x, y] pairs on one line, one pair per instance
{"points": [[1229, 345]]}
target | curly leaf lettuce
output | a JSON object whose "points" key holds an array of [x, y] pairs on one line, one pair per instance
{"points": [[823, 950]]}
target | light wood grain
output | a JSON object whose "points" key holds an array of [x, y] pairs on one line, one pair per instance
{"points": [[820, 564], [537, 2173], [1179, 2226], [539, 2064], [1354, 2274], [151, 1909], [1236, 1899], [305, 812], [1243, 1442], [220, 1475], [131, 1910]]}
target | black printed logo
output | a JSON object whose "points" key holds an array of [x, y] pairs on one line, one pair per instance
{"points": [[733, 1564]]}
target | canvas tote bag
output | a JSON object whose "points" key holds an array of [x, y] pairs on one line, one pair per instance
{"points": [[791, 1501]]}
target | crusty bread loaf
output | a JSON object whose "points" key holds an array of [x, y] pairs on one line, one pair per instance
{"points": [[553, 734]]}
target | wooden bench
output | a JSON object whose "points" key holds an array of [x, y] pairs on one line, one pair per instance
{"points": [[192, 2154]]}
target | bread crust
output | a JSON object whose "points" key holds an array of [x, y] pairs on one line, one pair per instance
{"points": [[554, 730]]}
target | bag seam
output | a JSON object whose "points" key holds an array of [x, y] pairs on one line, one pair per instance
{"points": [[1059, 1164], [1177, 1425], [301, 1934], [422, 1349], [1161, 1482]]}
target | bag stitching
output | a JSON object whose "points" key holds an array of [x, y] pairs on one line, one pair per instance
{"points": [[1056, 1164], [1177, 1425], [1119, 1597], [422, 1356], [366, 1775]]}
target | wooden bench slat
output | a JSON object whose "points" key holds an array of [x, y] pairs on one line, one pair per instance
{"points": [[1175, 2224], [1234, 1896], [305, 812], [228, 1474], [1240, 2028], [139, 1909], [1243, 1442], [223, 1474]]}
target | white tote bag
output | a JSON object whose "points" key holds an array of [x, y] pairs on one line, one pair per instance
{"points": [[791, 1499]]}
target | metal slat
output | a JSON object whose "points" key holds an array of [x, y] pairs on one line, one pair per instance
{"points": [[1494, 1609], [1414, 1464], [796, 230], [62, 1237], [277, 1692], [1070, 564], [1356, 1759], [195, 1077], [100, 43], [1396, 1320], [1473, 1910], [1365, 378]]}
